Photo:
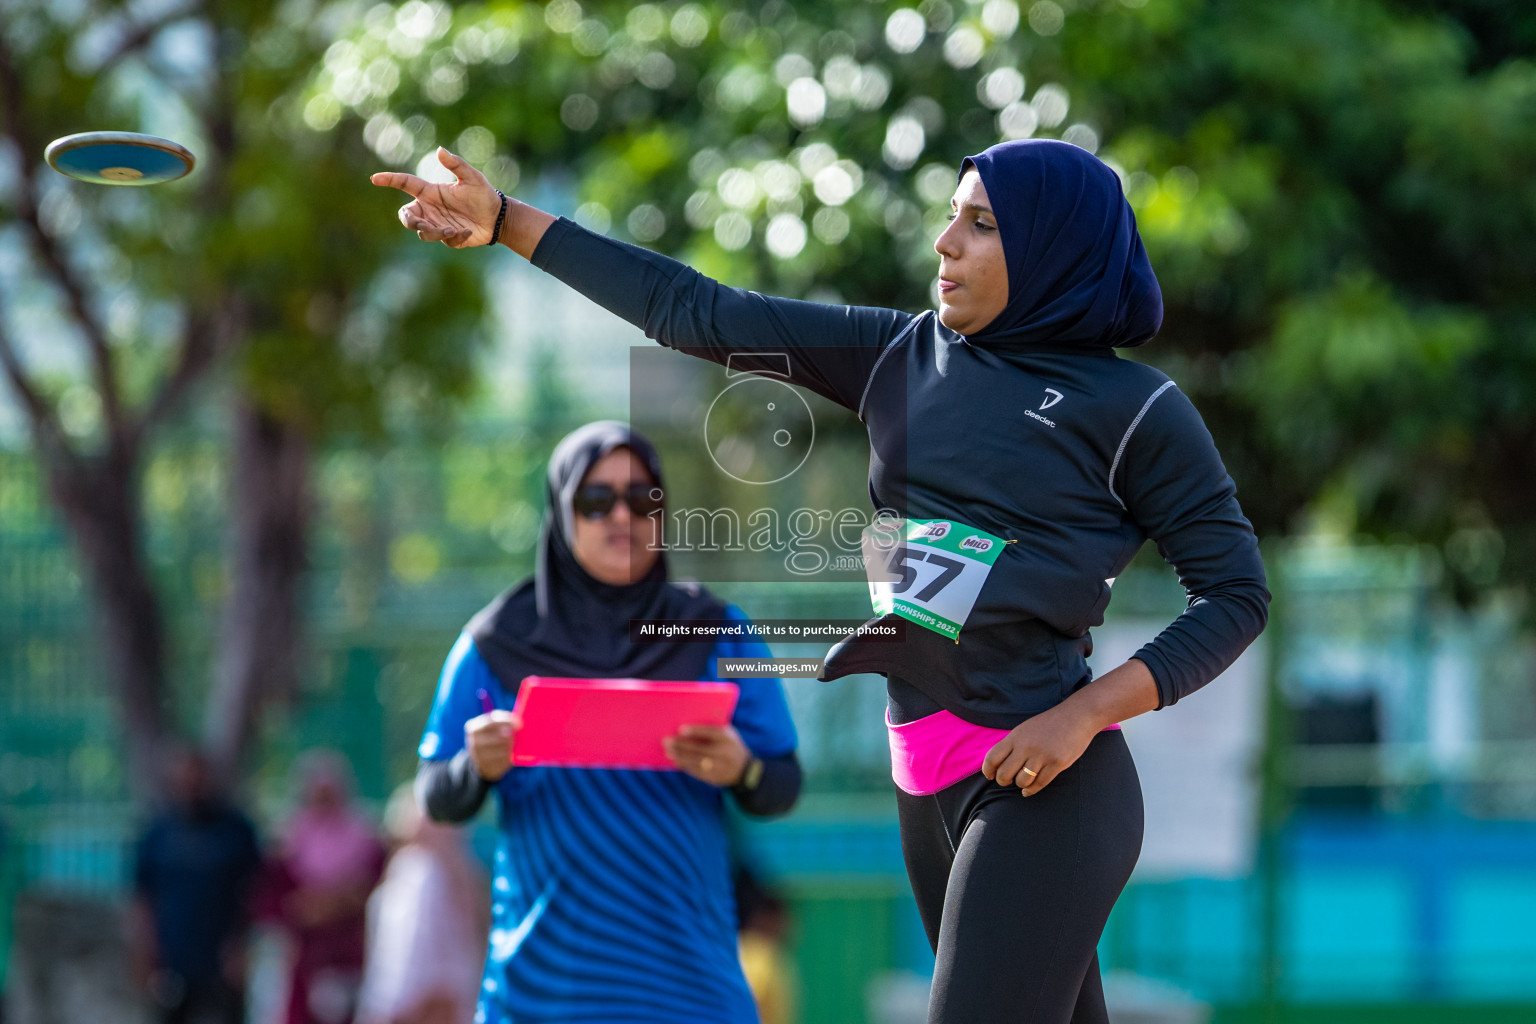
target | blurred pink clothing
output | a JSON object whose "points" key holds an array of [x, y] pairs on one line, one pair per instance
{"points": [[316, 888], [327, 848], [427, 925]]}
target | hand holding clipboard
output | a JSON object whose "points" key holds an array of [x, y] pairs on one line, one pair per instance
{"points": [[613, 723]]}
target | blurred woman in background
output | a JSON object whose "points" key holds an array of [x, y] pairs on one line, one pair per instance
{"points": [[427, 922], [317, 890]]}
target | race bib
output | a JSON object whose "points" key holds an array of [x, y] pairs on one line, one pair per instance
{"points": [[928, 571]]}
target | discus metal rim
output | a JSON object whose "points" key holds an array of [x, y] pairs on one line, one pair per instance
{"points": [[85, 140]]}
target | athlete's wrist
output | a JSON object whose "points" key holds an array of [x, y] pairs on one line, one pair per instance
{"points": [[501, 216], [1084, 713], [524, 228], [1117, 695]]}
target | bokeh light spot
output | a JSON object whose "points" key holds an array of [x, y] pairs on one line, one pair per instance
{"points": [[579, 112], [1046, 17], [831, 224], [1051, 104], [646, 223], [733, 231], [904, 30], [807, 102], [964, 47], [904, 142], [1001, 87], [1000, 17], [786, 236]]}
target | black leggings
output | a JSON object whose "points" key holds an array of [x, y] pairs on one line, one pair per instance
{"points": [[1014, 891]]}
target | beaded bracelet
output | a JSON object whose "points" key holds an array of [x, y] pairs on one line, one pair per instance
{"points": [[496, 231]]}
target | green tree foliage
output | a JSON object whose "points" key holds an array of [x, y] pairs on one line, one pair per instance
{"points": [[1337, 194], [1367, 352], [267, 271], [270, 231]]}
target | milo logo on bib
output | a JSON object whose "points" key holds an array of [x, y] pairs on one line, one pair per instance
{"points": [[928, 571]]}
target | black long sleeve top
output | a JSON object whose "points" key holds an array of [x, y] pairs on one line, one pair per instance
{"points": [[1072, 455]]}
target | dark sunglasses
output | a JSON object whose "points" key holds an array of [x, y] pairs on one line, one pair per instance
{"points": [[594, 501]]}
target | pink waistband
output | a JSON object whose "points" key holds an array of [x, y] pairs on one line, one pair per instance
{"points": [[938, 750]]}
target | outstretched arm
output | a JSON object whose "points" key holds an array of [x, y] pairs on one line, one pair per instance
{"points": [[831, 349]]}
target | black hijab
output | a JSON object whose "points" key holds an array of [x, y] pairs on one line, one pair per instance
{"points": [[1077, 272], [562, 621]]}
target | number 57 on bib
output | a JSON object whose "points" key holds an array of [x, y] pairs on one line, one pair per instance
{"points": [[928, 571]]}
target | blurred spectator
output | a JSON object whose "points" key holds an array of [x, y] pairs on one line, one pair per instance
{"points": [[427, 925], [613, 888], [317, 890], [764, 925], [192, 881]]}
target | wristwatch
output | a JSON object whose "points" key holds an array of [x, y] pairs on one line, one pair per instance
{"points": [[751, 775]]}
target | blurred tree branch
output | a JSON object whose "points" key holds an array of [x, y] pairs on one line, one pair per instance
{"points": [[140, 35], [40, 412], [25, 139], [248, 298]]}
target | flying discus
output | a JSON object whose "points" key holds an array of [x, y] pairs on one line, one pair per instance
{"points": [[120, 158]]}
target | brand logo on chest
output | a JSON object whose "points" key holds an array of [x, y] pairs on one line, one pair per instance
{"points": [[1052, 397]]}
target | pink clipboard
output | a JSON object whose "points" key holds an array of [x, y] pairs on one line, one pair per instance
{"points": [[611, 723]]}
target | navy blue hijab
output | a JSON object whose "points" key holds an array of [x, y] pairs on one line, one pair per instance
{"points": [[1077, 272]]}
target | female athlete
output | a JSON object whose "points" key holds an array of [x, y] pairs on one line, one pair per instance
{"points": [[1003, 424]]}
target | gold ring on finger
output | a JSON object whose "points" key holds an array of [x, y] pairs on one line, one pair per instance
{"points": [[1029, 771]]}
